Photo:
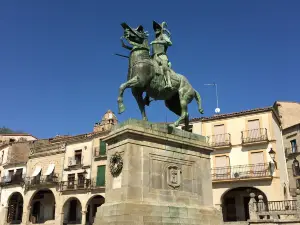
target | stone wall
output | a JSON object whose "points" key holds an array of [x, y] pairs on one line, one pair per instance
{"points": [[44, 162]]}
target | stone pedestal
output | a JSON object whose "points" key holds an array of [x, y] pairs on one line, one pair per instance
{"points": [[165, 177]]}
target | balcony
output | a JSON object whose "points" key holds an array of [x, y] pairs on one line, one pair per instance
{"points": [[98, 153], [292, 150], [220, 140], [95, 185], [254, 136], [75, 163], [12, 180], [241, 172], [41, 180], [80, 184]]}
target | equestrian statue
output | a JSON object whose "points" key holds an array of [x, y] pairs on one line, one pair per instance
{"points": [[152, 73]]}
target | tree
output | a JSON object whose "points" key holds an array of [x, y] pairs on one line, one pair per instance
{"points": [[5, 130]]}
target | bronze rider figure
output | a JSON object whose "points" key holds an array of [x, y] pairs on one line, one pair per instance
{"points": [[160, 46]]}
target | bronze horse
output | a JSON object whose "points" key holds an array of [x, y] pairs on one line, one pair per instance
{"points": [[145, 75]]}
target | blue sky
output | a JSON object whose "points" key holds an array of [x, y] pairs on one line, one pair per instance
{"points": [[59, 76]]}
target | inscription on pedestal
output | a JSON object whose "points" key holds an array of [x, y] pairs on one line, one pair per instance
{"points": [[116, 182]]}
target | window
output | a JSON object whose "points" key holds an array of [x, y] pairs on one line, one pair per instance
{"points": [[298, 183], [257, 157], [253, 129], [222, 161], [78, 157], [100, 176], [71, 177], [19, 172], [294, 145], [219, 131], [222, 169], [1, 157], [296, 167], [102, 147], [10, 173], [71, 180], [257, 167], [80, 179], [253, 124]]}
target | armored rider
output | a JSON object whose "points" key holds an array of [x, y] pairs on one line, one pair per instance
{"points": [[160, 46]]}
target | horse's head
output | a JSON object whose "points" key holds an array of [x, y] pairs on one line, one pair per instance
{"points": [[135, 36]]}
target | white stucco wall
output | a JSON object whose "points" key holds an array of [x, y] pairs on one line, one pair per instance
{"points": [[6, 193], [5, 173], [239, 154], [87, 151]]}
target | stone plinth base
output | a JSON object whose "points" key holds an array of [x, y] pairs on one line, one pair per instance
{"points": [[146, 214], [164, 177]]}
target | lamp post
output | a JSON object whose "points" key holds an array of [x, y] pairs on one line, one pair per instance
{"points": [[217, 110], [272, 154]]}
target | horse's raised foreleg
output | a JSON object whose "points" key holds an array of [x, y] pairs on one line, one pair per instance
{"points": [[138, 94], [133, 82]]}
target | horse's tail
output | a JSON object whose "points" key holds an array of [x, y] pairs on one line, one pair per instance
{"points": [[198, 99]]}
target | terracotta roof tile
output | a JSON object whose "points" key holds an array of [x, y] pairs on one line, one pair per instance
{"points": [[227, 115]]}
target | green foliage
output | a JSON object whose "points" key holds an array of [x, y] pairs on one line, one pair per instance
{"points": [[6, 130]]}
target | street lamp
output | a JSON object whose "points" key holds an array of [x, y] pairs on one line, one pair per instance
{"points": [[217, 110], [272, 154]]}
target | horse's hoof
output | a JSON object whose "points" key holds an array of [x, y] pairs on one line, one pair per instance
{"points": [[121, 108]]}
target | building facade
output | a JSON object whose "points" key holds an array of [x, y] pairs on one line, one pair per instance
{"points": [[248, 158], [62, 179], [14, 153], [289, 113]]}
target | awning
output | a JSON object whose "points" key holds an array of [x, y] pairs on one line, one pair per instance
{"points": [[36, 171], [50, 169]]}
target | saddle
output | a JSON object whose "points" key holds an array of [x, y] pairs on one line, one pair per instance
{"points": [[160, 72]]}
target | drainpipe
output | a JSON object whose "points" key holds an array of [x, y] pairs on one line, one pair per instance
{"points": [[286, 171], [92, 156], [63, 167]]}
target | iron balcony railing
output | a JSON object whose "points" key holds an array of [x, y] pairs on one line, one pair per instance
{"points": [[73, 162], [95, 184], [42, 180], [255, 135], [241, 171], [220, 140], [291, 150], [272, 206], [14, 179], [75, 184], [97, 152]]}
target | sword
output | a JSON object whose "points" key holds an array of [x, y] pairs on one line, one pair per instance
{"points": [[124, 56]]}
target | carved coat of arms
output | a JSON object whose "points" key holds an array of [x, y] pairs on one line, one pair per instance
{"points": [[173, 176]]}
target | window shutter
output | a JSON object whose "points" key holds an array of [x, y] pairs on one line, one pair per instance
{"points": [[253, 124], [221, 161], [102, 148], [257, 158], [100, 176], [219, 131]]}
